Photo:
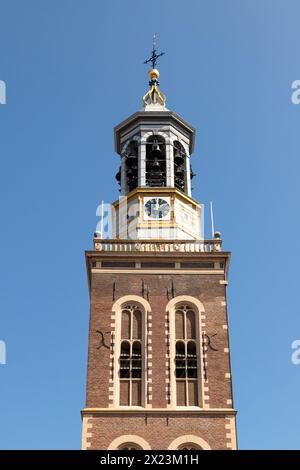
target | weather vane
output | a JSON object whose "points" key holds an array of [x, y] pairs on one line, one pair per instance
{"points": [[154, 55]]}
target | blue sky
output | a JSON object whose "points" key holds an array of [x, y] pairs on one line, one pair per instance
{"points": [[74, 69]]}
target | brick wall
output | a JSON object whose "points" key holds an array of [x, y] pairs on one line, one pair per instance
{"points": [[158, 431], [209, 289]]}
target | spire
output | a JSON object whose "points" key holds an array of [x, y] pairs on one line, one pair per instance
{"points": [[154, 96]]}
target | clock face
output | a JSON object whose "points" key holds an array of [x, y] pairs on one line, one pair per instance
{"points": [[157, 208]]}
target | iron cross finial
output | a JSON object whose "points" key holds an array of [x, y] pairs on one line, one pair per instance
{"points": [[154, 55]]}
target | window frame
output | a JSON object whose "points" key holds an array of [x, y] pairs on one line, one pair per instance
{"points": [[131, 341], [182, 360], [117, 309], [174, 305]]}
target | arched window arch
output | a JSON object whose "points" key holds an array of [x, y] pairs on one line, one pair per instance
{"points": [[129, 446], [129, 442], [156, 161], [189, 442], [189, 446]]}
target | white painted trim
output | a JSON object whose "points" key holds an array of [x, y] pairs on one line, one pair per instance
{"points": [[156, 271], [187, 299], [230, 428], [86, 434], [167, 411], [130, 298]]}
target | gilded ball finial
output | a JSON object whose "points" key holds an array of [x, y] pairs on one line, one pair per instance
{"points": [[153, 74]]}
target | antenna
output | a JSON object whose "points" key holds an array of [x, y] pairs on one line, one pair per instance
{"points": [[154, 41], [212, 219], [101, 223]]}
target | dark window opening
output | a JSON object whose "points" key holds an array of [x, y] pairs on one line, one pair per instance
{"points": [[131, 357], [118, 264], [197, 265], [131, 162], [130, 446], [150, 264], [179, 165], [156, 162], [186, 361]]}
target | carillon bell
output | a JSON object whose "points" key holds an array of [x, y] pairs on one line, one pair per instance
{"points": [[178, 157], [156, 177], [118, 175], [155, 150], [179, 171], [155, 165], [131, 159]]}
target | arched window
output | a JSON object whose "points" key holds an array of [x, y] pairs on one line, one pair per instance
{"points": [[130, 173], [186, 357], [131, 356], [189, 446], [156, 161], [132, 165], [179, 165], [129, 442], [130, 446], [189, 442]]}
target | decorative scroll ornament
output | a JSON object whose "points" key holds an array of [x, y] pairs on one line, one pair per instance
{"points": [[207, 341], [154, 95], [102, 342]]}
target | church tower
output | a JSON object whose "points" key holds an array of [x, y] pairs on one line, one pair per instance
{"points": [[159, 372]]}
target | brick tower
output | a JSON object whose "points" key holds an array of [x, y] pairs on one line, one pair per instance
{"points": [[159, 372]]}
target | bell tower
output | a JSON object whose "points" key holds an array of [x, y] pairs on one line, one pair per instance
{"points": [[159, 373]]}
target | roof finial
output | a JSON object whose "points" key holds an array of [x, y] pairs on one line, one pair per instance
{"points": [[154, 55], [154, 95]]}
